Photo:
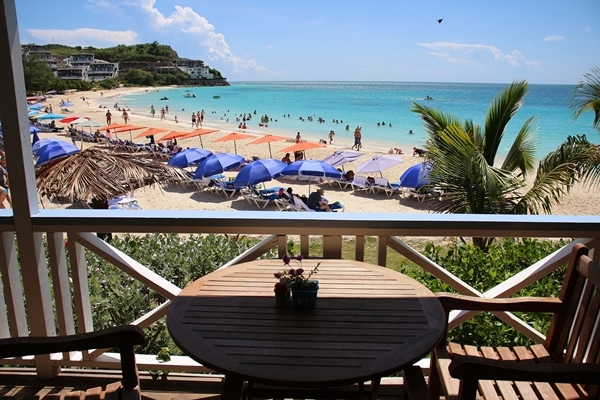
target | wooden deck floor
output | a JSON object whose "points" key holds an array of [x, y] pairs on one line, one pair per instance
{"points": [[23, 385]]}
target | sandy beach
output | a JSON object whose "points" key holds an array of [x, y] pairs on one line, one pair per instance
{"points": [[581, 201]]}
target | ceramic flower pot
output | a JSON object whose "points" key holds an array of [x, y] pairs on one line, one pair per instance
{"points": [[305, 297]]}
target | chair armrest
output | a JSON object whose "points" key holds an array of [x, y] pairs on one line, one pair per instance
{"points": [[523, 304], [125, 337], [476, 368]]}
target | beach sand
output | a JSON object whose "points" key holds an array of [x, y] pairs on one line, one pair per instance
{"points": [[581, 201]]}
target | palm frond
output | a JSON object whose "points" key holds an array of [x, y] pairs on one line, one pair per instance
{"points": [[586, 96], [502, 109], [574, 161], [521, 155], [434, 120]]}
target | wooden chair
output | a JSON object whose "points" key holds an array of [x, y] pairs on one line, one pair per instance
{"points": [[124, 337], [566, 366]]}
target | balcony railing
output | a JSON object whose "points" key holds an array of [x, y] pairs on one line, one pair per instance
{"points": [[72, 311]]}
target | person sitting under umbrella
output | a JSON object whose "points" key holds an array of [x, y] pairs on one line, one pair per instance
{"points": [[317, 202]]}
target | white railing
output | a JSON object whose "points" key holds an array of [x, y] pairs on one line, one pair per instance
{"points": [[70, 291]]}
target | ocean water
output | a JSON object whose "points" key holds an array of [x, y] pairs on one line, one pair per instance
{"points": [[382, 109]]}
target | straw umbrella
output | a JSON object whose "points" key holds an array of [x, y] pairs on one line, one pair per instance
{"points": [[97, 175]]}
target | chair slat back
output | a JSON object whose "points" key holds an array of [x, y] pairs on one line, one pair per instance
{"points": [[574, 334]]}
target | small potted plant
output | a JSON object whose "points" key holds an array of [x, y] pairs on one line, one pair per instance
{"points": [[303, 289]]}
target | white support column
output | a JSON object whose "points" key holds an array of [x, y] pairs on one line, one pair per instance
{"points": [[17, 143], [61, 283]]}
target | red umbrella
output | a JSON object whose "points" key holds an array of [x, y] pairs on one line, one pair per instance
{"points": [[69, 120], [234, 136], [268, 139]]}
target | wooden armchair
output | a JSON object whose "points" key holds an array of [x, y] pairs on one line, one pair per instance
{"points": [[124, 337], [566, 366]]}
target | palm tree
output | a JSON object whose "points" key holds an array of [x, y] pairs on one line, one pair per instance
{"points": [[463, 156], [586, 96]]}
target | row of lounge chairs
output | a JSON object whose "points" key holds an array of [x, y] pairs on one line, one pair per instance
{"points": [[383, 185]]}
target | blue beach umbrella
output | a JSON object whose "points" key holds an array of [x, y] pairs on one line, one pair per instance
{"points": [[188, 157], [311, 169], [54, 151], [35, 146], [66, 104], [49, 116], [217, 163], [416, 176], [258, 171], [36, 106]]}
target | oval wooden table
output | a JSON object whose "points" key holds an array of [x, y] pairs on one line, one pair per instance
{"points": [[368, 322]]}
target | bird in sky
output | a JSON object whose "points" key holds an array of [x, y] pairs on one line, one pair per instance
{"points": [[440, 20]]}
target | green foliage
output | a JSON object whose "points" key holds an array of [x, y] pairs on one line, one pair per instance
{"points": [[40, 79], [486, 269], [119, 299], [463, 159]]}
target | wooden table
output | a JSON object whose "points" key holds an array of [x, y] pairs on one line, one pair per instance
{"points": [[369, 322]]}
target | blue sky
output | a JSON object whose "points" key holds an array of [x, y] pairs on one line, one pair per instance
{"points": [[541, 41]]}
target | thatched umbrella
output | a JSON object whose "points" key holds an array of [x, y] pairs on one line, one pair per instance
{"points": [[97, 175]]}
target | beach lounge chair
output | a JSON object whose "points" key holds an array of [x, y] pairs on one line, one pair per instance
{"points": [[299, 205], [360, 183], [225, 187], [260, 198], [384, 185]]}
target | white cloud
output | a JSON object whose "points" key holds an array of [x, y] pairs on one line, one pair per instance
{"points": [[84, 37], [458, 52], [190, 22], [553, 38]]}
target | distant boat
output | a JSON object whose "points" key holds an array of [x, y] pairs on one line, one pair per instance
{"points": [[189, 95], [428, 98], [216, 97], [164, 98]]}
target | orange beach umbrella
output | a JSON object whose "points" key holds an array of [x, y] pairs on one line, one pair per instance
{"points": [[302, 146], [199, 132], [111, 126], [150, 132], [234, 136], [173, 135], [129, 128], [268, 139]]}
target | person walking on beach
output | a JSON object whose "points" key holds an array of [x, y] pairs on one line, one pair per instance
{"points": [[152, 110], [331, 135], [357, 138], [298, 137], [125, 116], [194, 119], [108, 117], [73, 133], [201, 118], [162, 114]]}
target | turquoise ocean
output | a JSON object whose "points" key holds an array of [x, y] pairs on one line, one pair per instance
{"points": [[382, 109]]}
